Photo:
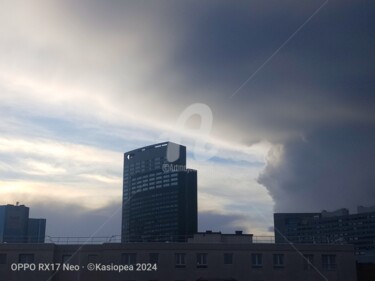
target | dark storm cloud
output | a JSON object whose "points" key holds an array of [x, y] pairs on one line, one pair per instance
{"points": [[333, 168], [225, 42], [315, 97]]}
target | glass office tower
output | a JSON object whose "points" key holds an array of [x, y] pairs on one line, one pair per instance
{"points": [[159, 195]]}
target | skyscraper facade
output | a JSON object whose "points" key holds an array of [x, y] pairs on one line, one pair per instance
{"points": [[159, 194], [13, 223]]}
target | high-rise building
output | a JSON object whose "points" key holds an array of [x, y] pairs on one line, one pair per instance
{"points": [[13, 223], [17, 227], [159, 194], [338, 227]]}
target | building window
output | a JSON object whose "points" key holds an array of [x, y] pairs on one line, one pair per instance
{"points": [[201, 260], [256, 260], [308, 261], [228, 258], [154, 258], [180, 260], [329, 262], [129, 258], [66, 258], [278, 260], [3, 258], [26, 258]]}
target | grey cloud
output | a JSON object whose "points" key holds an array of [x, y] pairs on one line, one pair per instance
{"points": [[332, 169], [64, 220], [219, 222]]}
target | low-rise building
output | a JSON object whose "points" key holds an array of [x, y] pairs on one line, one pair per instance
{"points": [[206, 256]]}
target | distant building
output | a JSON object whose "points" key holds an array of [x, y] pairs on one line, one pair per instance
{"points": [[13, 223], [362, 209], [17, 227], [337, 227], [217, 237], [206, 256], [36, 230], [159, 194]]}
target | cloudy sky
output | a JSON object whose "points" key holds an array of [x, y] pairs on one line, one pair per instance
{"points": [[274, 100]]}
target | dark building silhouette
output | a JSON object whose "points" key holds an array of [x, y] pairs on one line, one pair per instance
{"points": [[36, 230], [205, 256], [17, 227], [13, 223], [338, 227], [159, 194]]}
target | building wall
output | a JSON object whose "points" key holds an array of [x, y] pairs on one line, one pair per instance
{"points": [[36, 230], [241, 268], [14, 220], [15, 253]]}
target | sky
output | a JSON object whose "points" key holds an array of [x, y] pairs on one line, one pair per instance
{"points": [[273, 99]]}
